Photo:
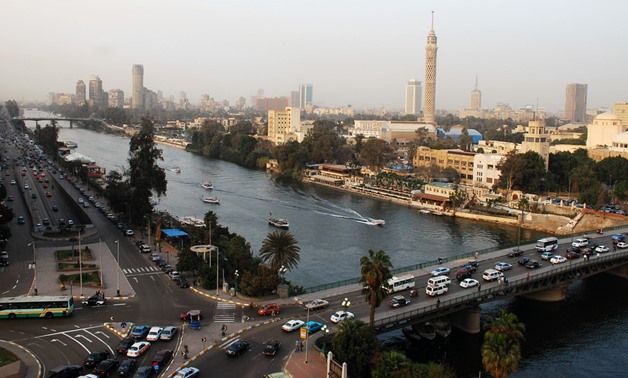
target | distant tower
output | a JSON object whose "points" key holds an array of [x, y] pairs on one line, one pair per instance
{"points": [[413, 97], [81, 92], [537, 140], [95, 91], [576, 102], [430, 75], [305, 95], [476, 97], [137, 100]]}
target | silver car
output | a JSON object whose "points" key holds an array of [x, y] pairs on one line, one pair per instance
{"points": [[168, 333]]}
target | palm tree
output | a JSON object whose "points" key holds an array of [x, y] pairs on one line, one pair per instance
{"points": [[375, 271], [280, 248], [507, 323], [392, 363], [501, 350]]}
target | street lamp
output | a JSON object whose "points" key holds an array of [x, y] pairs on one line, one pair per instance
{"points": [[307, 331], [325, 331], [236, 280], [80, 261], [282, 272], [118, 270], [34, 266], [345, 304]]}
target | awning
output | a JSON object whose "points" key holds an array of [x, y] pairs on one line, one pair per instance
{"points": [[171, 232]]}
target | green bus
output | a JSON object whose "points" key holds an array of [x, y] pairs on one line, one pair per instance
{"points": [[40, 306]]}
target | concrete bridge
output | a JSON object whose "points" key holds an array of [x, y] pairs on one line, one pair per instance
{"points": [[69, 119]]}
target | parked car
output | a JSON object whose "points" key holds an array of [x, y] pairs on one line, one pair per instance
{"points": [[68, 371], [168, 333], [237, 347], [187, 372], [144, 372], [469, 282], [533, 264], [271, 347], [398, 301], [182, 282], [557, 259], [127, 367], [269, 309], [440, 271], [106, 367], [312, 327], [292, 325], [94, 358], [125, 344], [138, 349], [501, 266], [162, 358], [140, 331], [341, 315], [154, 334], [316, 304], [174, 275]]}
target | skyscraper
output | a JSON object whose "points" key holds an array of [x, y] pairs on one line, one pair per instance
{"points": [[137, 100], [413, 97], [81, 92], [429, 108], [476, 97], [305, 95], [576, 102], [95, 91]]}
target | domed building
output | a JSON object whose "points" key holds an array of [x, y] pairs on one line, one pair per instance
{"points": [[603, 129], [620, 142]]}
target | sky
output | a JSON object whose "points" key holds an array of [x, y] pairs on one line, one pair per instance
{"points": [[354, 52]]}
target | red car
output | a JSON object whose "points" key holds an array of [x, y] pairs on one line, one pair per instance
{"points": [[269, 309], [572, 255], [48, 194]]}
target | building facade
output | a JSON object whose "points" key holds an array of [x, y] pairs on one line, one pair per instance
{"points": [[137, 99], [486, 172], [621, 111], [476, 97], [576, 102], [413, 97], [95, 91], [81, 93], [283, 125], [116, 98], [603, 129], [429, 109], [459, 160], [306, 96], [537, 139]]}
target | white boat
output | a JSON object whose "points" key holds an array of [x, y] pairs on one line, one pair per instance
{"points": [[176, 170], [70, 144], [207, 185], [192, 221], [426, 331], [424, 211], [278, 222], [212, 200], [373, 222], [436, 212]]}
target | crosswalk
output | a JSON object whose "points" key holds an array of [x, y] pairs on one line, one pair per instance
{"points": [[225, 312], [142, 270]]}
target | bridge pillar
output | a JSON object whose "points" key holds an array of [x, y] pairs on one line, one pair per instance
{"points": [[552, 294], [620, 271], [467, 320], [70, 123]]}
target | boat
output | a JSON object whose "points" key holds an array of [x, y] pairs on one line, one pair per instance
{"points": [[373, 222], [411, 334], [207, 185], [442, 327], [192, 221], [426, 331], [212, 200], [436, 212], [176, 170], [70, 144], [424, 211], [278, 222]]}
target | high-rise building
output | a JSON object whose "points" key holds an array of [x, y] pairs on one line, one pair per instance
{"points": [[476, 97], [95, 91], [576, 102], [621, 110], [137, 100], [413, 97], [305, 95], [116, 98], [294, 99], [537, 139], [283, 125], [431, 48], [81, 92]]}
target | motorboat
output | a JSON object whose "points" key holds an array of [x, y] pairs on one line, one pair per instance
{"points": [[207, 185], [278, 222], [176, 170], [192, 221], [212, 200], [411, 334], [377, 222], [442, 327], [426, 330], [424, 211]]}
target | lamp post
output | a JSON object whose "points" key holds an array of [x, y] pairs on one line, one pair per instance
{"points": [[118, 269], [236, 281], [282, 272], [80, 262], [307, 331], [325, 331], [34, 267], [345, 304]]}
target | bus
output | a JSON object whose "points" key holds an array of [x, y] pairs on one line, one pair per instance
{"points": [[547, 244], [399, 283], [40, 306]]}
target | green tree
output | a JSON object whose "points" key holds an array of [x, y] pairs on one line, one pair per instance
{"points": [[356, 344], [501, 349], [392, 364], [522, 171], [145, 176], [375, 270], [465, 141], [279, 249], [376, 153]]}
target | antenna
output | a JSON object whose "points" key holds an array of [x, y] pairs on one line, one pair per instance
{"points": [[432, 20], [476, 82], [536, 111]]}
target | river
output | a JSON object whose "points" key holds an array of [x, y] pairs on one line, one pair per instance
{"points": [[582, 337]]}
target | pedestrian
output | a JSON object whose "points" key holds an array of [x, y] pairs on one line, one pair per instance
{"points": [[300, 346], [272, 313], [439, 260], [224, 329], [476, 255], [437, 302], [529, 273], [614, 247], [297, 345], [479, 287]]}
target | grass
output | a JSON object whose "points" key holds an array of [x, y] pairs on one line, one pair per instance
{"points": [[91, 279], [65, 266], [6, 357], [69, 254]]}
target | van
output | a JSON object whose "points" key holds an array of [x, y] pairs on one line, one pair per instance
{"points": [[492, 274], [433, 291], [439, 281]]}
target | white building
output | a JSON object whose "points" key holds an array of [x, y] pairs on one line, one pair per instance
{"points": [[283, 125], [413, 97], [486, 174], [603, 129]]}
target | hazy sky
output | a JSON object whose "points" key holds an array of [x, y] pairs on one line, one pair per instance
{"points": [[358, 52]]}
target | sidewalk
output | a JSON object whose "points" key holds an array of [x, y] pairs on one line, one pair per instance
{"points": [[31, 366]]}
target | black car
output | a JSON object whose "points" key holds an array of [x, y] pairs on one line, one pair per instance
{"points": [[126, 367], [144, 372], [182, 282], [106, 367], [125, 344], [533, 264], [271, 347], [464, 273], [139, 243], [70, 371], [55, 208], [515, 253], [95, 300], [162, 358], [398, 301], [471, 263], [237, 347], [93, 359], [523, 261]]}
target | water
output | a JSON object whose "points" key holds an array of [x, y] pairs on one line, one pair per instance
{"points": [[582, 337]]}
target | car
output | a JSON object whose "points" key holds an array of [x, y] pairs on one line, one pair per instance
{"points": [[94, 358], [269, 309], [523, 261], [192, 315], [515, 253], [48, 194], [13, 182], [21, 220], [316, 304], [572, 255], [26, 187], [271, 347], [618, 238], [547, 255], [501, 266], [55, 208], [167, 268], [129, 232], [33, 195], [10, 198], [473, 263], [469, 282], [145, 248], [174, 275], [168, 333], [533, 264], [398, 301], [341, 315], [187, 372], [580, 242], [126, 367], [440, 271], [292, 325], [68, 371], [162, 358], [312, 327], [601, 249], [154, 334], [86, 204], [106, 367], [140, 331], [237, 347], [95, 300], [138, 349], [4, 258], [125, 344], [144, 372], [557, 259], [45, 186], [622, 245], [182, 282], [154, 256], [70, 222], [464, 273]]}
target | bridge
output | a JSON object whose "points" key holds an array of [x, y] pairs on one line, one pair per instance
{"points": [[69, 119]]}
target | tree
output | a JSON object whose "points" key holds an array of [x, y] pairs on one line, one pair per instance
{"points": [[465, 141], [355, 343], [376, 153], [522, 171], [145, 176], [501, 350], [375, 270], [280, 248]]}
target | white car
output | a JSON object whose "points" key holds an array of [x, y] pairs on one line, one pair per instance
{"points": [[469, 282], [187, 372], [341, 315], [601, 249], [292, 325], [441, 271], [168, 333], [316, 304], [558, 259], [580, 242], [138, 349], [622, 245], [154, 334], [501, 266]]}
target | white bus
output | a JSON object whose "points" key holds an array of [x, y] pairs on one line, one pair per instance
{"points": [[40, 306], [547, 244], [399, 283]]}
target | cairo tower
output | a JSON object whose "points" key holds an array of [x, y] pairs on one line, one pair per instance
{"points": [[430, 75]]}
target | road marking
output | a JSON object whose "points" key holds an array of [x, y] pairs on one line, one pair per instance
{"points": [[102, 341], [59, 341], [83, 336], [78, 342], [119, 304], [135, 278]]}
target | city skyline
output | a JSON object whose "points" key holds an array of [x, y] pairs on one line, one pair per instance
{"points": [[362, 54]]}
